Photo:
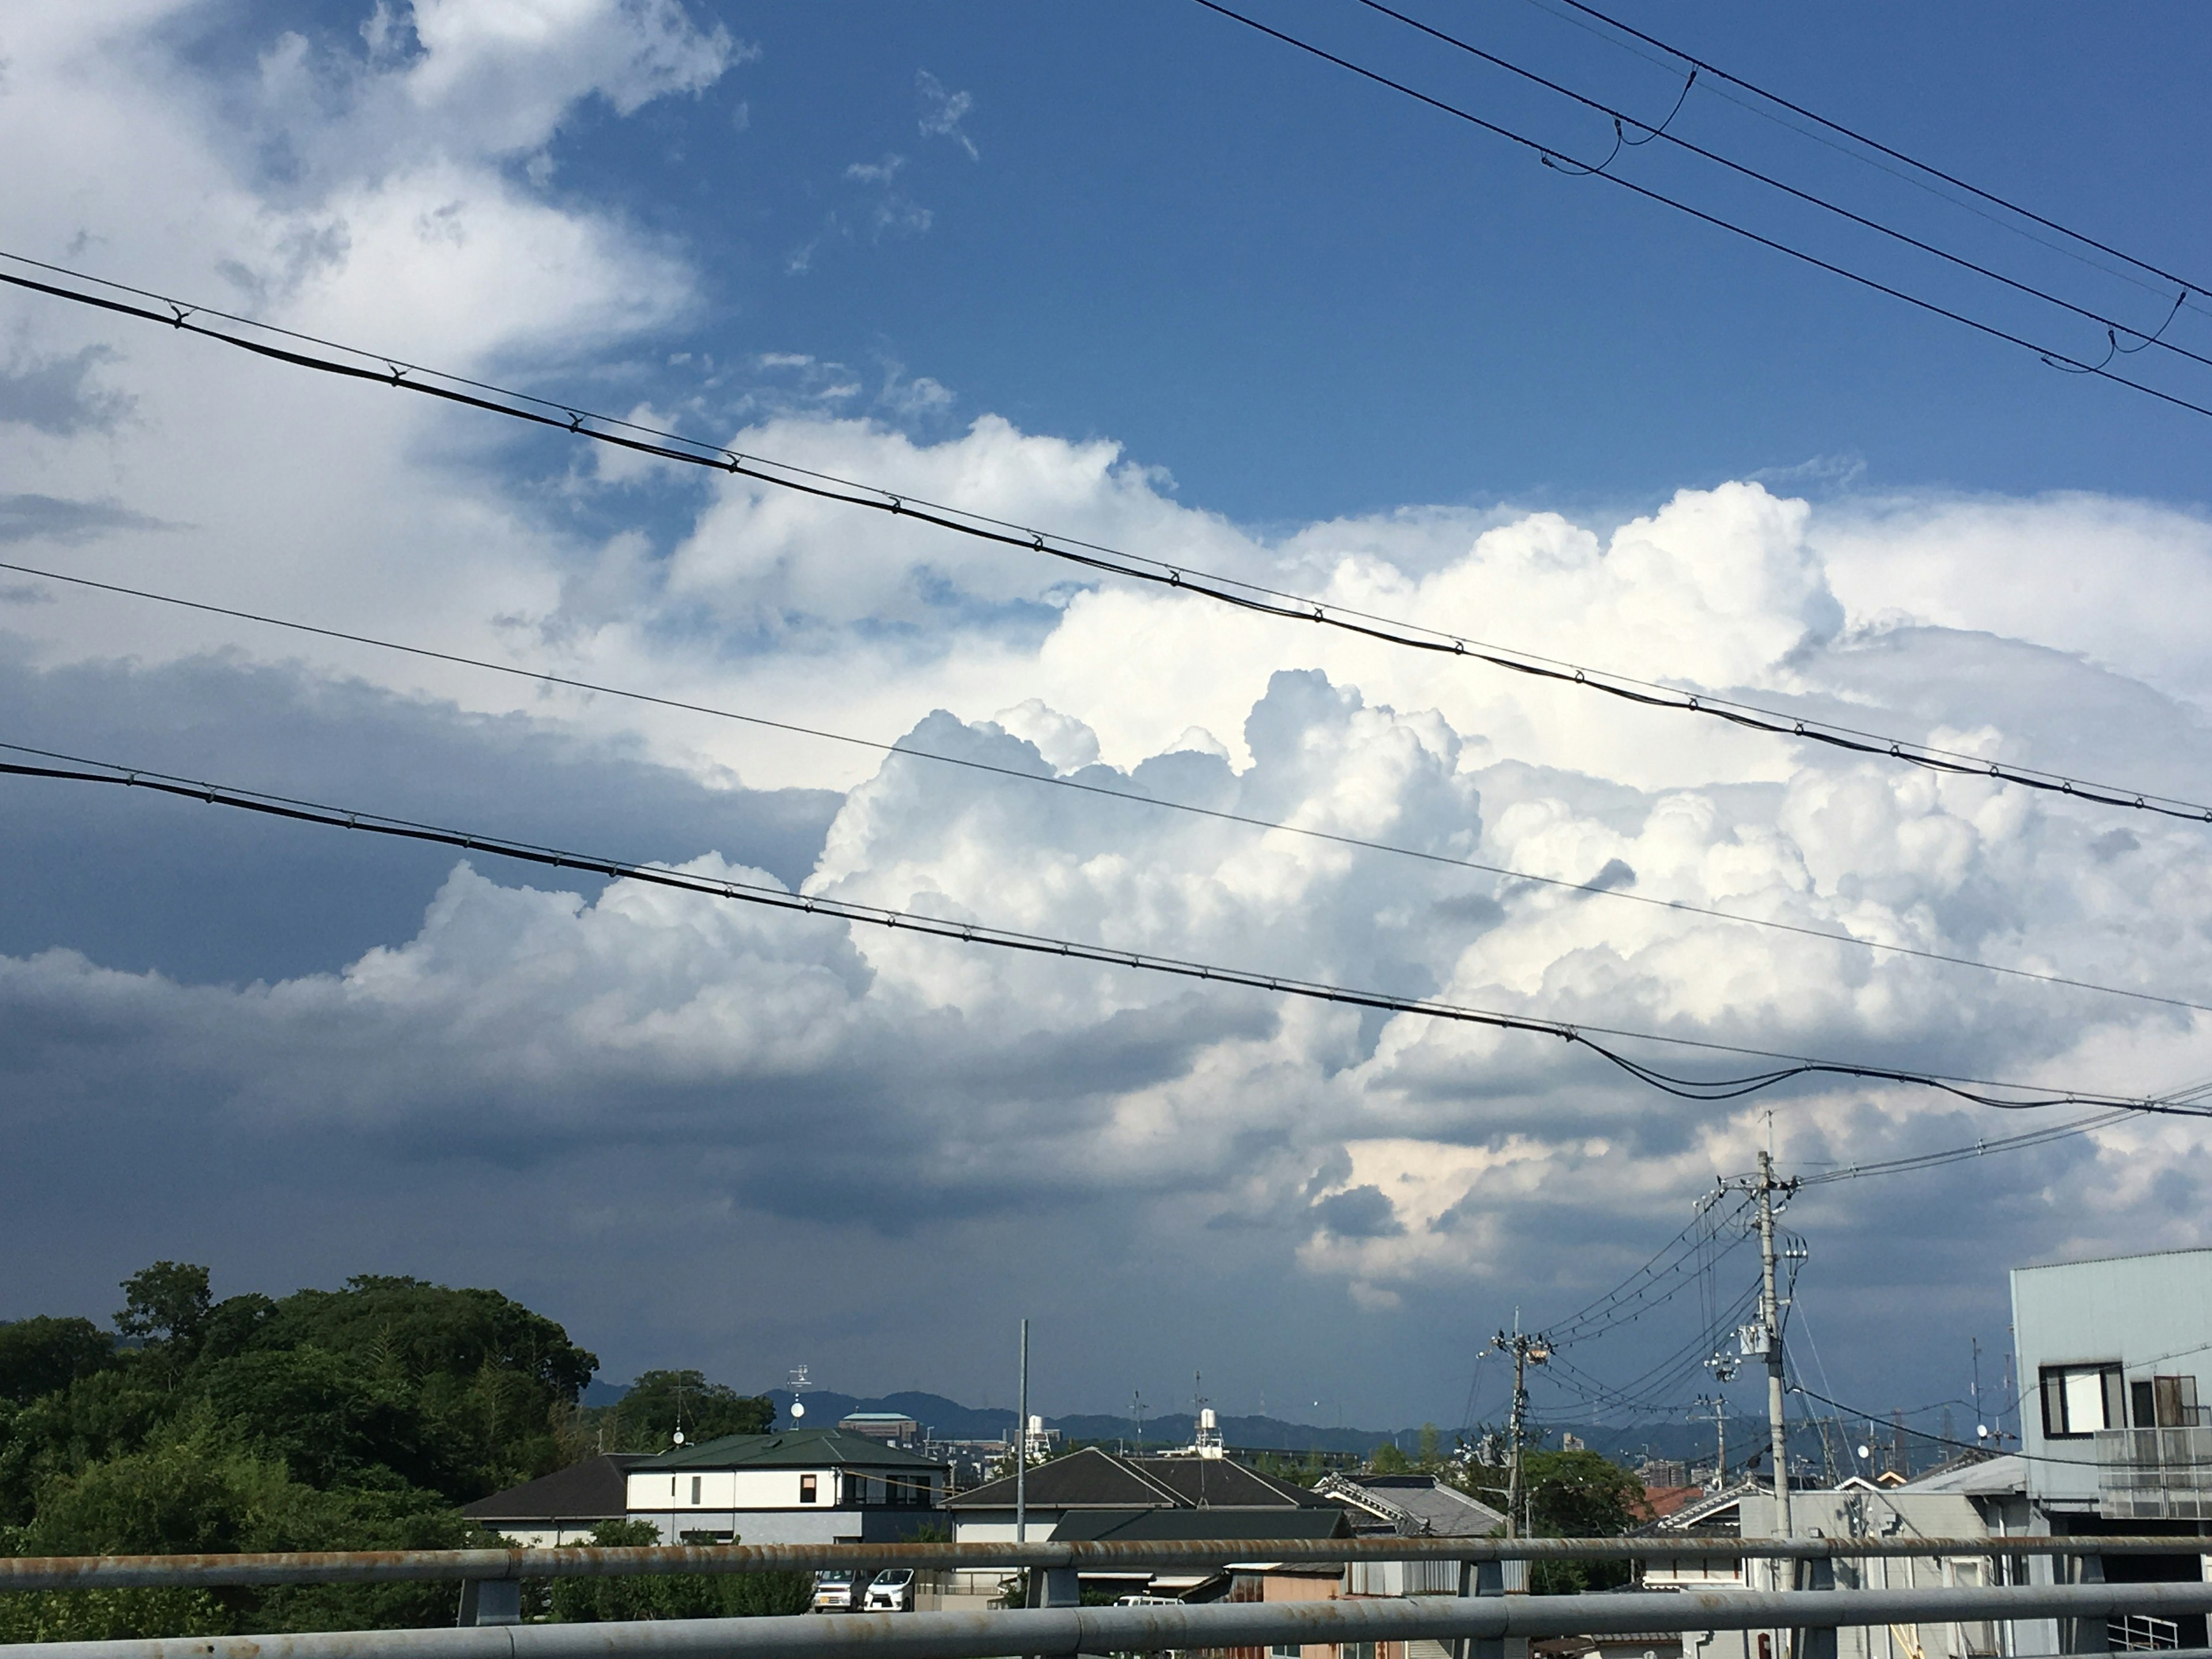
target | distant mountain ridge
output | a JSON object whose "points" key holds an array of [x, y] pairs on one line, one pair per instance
{"points": [[948, 1419]]}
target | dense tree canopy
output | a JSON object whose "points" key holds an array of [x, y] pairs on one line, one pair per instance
{"points": [[647, 1418], [356, 1419]]}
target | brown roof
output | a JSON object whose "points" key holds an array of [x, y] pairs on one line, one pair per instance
{"points": [[1659, 1502]]}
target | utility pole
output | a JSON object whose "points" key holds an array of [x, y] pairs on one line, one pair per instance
{"points": [[1021, 1445], [1770, 1317], [1720, 1436], [1526, 1351]]}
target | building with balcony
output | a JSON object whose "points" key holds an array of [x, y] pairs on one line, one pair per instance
{"points": [[2110, 1352]]}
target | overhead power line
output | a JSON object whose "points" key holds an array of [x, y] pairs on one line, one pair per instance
{"points": [[1703, 67], [1781, 1068], [908, 751], [1553, 156], [1640, 1290], [1622, 120], [1228, 590], [1963, 1154], [1969, 1445]]}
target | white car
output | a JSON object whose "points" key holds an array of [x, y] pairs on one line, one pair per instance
{"points": [[892, 1591], [837, 1591]]}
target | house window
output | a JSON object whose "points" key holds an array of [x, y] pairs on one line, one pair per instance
{"points": [[1285, 1650], [2164, 1402], [695, 1489], [1355, 1650], [2080, 1400], [808, 1489]]}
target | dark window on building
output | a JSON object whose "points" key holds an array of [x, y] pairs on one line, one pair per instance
{"points": [[2164, 1402], [2080, 1400], [695, 1489], [808, 1490]]}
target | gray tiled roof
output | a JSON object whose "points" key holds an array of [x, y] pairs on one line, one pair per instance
{"points": [[1199, 1526], [590, 1490], [1096, 1478], [1416, 1504]]}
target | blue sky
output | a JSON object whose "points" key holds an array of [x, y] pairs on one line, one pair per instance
{"points": [[1135, 273], [1303, 295]]}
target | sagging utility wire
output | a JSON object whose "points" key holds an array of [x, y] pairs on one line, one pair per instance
{"points": [[2000, 1096], [1551, 155], [2114, 326], [908, 751], [1092, 556], [1701, 66]]}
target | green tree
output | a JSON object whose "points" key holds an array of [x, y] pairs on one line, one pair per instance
{"points": [[1431, 1455], [166, 1303], [649, 1414], [1578, 1494], [1387, 1458], [43, 1355]]}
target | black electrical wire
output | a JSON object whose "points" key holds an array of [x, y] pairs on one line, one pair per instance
{"points": [[1635, 1291], [1857, 137], [1972, 1446], [2113, 324], [2004, 1097], [1227, 590], [1547, 153], [1962, 1154], [908, 751]]}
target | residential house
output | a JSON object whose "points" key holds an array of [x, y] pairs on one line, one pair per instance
{"points": [[1408, 1506], [561, 1508], [797, 1486], [2114, 1441], [1095, 1480]]}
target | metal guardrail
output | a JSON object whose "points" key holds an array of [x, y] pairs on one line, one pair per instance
{"points": [[585, 1561], [1075, 1630]]}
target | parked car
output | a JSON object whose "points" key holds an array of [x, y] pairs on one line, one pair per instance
{"points": [[836, 1590], [892, 1591], [1147, 1601]]}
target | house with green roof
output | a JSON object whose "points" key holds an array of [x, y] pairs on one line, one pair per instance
{"points": [[794, 1486]]}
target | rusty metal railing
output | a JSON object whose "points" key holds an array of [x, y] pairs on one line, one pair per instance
{"points": [[1214, 1625], [586, 1561]]}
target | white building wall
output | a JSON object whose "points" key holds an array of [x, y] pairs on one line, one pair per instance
{"points": [[2150, 1315]]}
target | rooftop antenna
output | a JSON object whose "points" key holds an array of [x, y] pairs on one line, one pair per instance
{"points": [[798, 1386]]}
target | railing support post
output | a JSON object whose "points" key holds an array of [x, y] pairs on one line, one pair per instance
{"points": [[1492, 1579], [491, 1601], [1817, 1641]]}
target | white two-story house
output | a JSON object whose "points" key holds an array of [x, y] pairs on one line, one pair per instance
{"points": [[796, 1486]]}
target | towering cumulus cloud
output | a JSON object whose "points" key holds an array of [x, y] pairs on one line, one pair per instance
{"points": [[692, 1121]]}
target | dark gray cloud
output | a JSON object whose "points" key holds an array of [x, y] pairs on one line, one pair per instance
{"points": [[137, 883], [57, 395], [1358, 1213], [51, 517]]}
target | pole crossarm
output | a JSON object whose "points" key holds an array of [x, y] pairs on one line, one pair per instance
{"points": [[1067, 1630], [586, 1561]]}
